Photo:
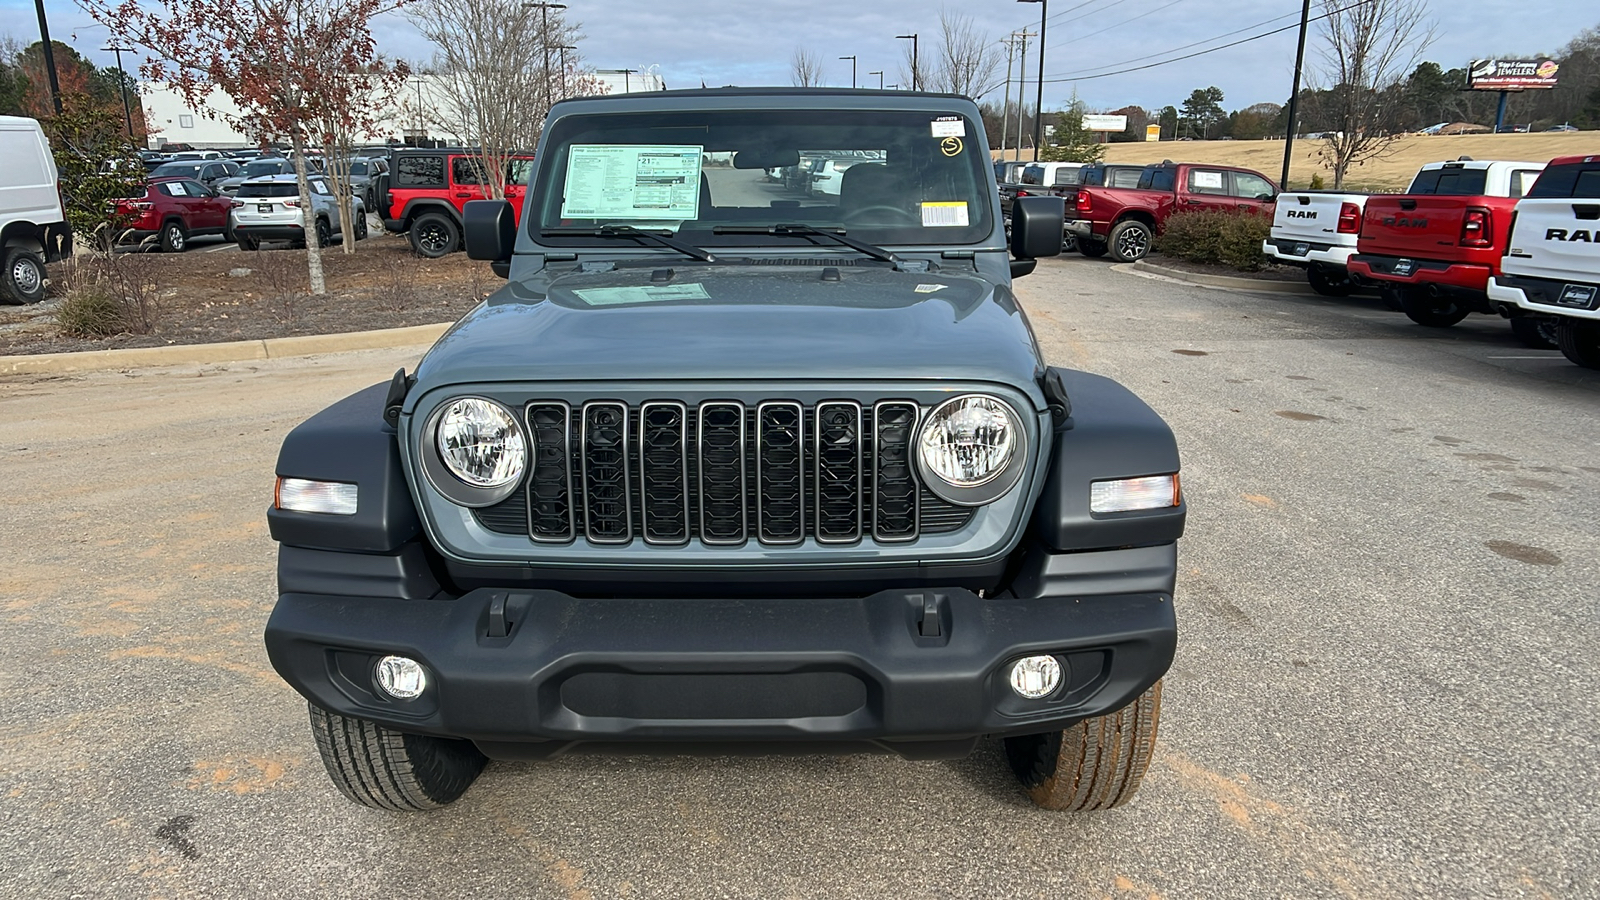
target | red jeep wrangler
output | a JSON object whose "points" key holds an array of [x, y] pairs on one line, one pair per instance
{"points": [[425, 191]]}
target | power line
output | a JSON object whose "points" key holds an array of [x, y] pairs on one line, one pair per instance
{"points": [[1257, 37], [1118, 25], [1201, 42]]}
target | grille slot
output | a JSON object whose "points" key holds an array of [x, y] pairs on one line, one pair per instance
{"points": [[549, 501], [838, 472], [664, 472], [722, 483], [894, 489], [608, 515], [778, 472]]}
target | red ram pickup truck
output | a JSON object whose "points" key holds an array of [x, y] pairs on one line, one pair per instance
{"points": [[1434, 248], [1125, 221]]}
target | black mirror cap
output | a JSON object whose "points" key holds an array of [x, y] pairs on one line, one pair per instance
{"points": [[489, 228], [1037, 226]]}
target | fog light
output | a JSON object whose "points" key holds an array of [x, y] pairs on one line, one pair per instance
{"points": [[401, 678], [1033, 677]]}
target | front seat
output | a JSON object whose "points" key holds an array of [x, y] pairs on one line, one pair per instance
{"points": [[873, 184]]}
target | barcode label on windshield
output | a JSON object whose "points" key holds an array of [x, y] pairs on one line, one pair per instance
{"points": [[944, 215]]}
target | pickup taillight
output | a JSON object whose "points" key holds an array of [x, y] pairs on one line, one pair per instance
{"points": [[1475, 228], [1511, 232], [1349, 218], [1084, 204], [1021, 193]]}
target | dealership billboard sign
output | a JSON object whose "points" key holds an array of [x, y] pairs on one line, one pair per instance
{"points": [[1511, 74], [1092, 122]]}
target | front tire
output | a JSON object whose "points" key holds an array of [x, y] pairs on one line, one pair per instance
{"points": [[1431, 311], [324, 233], [383, 769], [23, 279], [434, 235], [361, 226], [173, 238], [1129, 241], [1096, 764], [1580, 342], [1329, 281], [1538, 332]]}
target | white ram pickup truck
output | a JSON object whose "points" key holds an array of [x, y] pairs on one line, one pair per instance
{"points": [[1552, 263], [1318, 230]]}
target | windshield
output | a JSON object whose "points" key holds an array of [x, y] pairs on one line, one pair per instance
{"points": [[265, 167], [186, 170], [884, 177], [358, 168]]}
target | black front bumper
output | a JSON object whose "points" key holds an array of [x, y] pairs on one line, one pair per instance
{"points": [[861, 672]]}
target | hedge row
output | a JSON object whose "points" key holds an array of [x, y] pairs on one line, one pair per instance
{"points": [[1217, 237]]}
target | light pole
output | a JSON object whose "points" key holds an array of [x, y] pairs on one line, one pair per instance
{"points": [[916, 77], [852, 69], [564, 48], [1294, 97], [627, 84], [1038, 103], [49, 57], [126, 109], [544, 38], [880, 79], [893, 87], [422, 127]]}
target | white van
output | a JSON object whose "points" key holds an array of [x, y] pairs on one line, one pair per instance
{"points": [[33, 229]]}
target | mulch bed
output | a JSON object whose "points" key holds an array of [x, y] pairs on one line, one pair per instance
{"points": [[1270, 273], [209, 297]]}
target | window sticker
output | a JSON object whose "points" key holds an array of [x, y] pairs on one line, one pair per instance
{"points": [[1211, 180], [631, 181], [949, 126], [177, 189], [945, 215], [650, 293]]}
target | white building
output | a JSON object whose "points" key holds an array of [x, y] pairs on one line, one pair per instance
{"points": [[411, 116]]}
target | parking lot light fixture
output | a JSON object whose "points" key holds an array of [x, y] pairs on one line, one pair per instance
{"points": [[916, 77], [852, 69], [880, 79], [544, 38]]}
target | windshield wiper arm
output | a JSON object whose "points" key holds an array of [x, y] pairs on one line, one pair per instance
{"points": [[835, 234], [628, 231]]}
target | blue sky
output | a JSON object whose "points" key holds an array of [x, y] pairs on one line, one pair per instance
{"points": [[751, 43]]}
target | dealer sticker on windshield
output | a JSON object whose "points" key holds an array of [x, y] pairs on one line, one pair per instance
{"points": [[945, 215], [631, 181], [949, 126]]}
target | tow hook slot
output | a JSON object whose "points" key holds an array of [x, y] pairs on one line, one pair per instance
{"points": [[505, 611], [929, 617]]}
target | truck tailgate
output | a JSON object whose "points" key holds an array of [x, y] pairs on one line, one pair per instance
{"points": [[1312, 218], [1555, 239], [1425, 227]]}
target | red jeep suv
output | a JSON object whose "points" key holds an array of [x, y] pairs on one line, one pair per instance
{"points": [[425, 191], [175, 209]]}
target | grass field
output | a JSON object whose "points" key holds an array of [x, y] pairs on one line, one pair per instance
{"points": [[1392, 173]]}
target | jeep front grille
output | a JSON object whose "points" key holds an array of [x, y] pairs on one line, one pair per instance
{"points": [[723, 473]]}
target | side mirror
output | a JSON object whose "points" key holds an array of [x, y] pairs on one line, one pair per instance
{"points": [[1037, 226], [489, 228], [1267, 198]]}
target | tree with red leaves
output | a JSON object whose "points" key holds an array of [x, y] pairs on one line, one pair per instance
{"points": [[290, 66]]}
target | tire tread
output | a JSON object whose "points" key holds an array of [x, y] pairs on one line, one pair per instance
{"points": [[380, 768]]}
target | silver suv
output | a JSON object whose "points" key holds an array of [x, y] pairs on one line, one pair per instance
{"points": [[268, 209]]}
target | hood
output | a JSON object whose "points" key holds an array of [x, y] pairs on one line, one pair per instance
{"points": [[742, 322]]}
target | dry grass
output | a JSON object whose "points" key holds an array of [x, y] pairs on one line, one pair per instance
{"points": [[1392, 173]]}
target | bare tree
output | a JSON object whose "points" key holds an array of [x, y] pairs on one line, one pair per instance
{"points": [[495, 74], [962, 60], [1367, 49], [807, 68]]}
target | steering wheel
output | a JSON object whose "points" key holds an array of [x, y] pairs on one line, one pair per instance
{"points": [[895, 215]]}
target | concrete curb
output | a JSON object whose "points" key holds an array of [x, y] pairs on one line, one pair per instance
{"points": [[1257, 285], [234, 351]]}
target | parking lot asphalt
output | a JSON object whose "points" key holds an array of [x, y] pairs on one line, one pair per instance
{"points": [[1385, 685]]}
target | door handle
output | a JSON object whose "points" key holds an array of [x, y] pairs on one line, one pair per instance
{"points": [[463, 195], [1191, 201], [1245, 206]]}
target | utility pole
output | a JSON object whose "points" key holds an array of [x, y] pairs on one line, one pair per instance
{"points": [[49, 57], [422, 125], [1005, 108], [1022, 87], [916, 76], [627, 85], [1038, 103], [880, 79], [852, 69], [1294, 98], [126, 109], [544, 38]]}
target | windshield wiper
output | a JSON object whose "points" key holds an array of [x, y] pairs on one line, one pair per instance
{"points": [[628, 231], [834, 234]]}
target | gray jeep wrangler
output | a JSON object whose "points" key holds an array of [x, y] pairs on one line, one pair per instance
{"points": [[730, 468]]}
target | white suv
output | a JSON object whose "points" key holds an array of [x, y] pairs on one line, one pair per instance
{"points": [[268, 209], [1552, 261], [33, 229]]}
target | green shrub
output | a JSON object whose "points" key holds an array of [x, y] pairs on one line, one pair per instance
{"points": [[1318, 182], [91, 312], [1218, 238]]}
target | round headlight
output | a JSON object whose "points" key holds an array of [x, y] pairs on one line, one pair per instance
{"points": [[480, 443], [969, 441]]}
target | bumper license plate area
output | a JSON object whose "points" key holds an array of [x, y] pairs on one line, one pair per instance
{"points": [[264, 207], [1404, 267], [710, 697], [1577, 296]]}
